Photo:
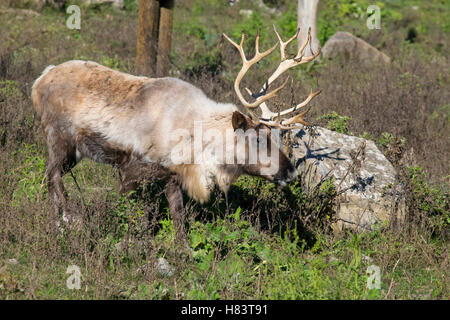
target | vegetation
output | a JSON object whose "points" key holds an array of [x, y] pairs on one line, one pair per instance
{"points": [[336, 122], [259, 242]]}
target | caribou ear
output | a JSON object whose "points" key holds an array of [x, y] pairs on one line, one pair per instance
{"points": [[241, 121]]}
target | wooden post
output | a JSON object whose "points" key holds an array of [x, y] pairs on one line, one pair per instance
{"points": [[307, 18], [165, 37], [147, 46]]}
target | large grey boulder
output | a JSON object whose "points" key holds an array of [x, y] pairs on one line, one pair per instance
{"points": [[344, 44], [369, 192]]}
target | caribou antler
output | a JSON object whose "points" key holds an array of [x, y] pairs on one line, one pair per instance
{"points": [[269, 117], [246, 64]]}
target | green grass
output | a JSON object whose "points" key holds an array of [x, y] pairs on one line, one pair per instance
{"points": [[231, 260], [337, 122]]}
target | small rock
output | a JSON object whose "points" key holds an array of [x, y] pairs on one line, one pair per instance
{"points": [[163, 268], [124, 294], [13, 261], [332, 259], [367, 259], [246, 13]]}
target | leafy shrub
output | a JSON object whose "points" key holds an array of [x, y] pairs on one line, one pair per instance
{"points": [[29, 175], [250, 25], [431, 201], [113, 63], [287, 23], [387, 139], [204, 63], [337, 122], [131, 5], [9, 88]]}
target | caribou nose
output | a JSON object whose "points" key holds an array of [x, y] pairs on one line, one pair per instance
{"points": [[293, 174]]}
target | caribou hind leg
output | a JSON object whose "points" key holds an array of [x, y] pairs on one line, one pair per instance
{"points": [[61, 159]]}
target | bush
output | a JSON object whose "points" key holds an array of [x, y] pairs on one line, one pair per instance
{"points": [[337, 122], [30, 183], [431, 201]]}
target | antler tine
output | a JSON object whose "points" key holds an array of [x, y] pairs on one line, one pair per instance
{"points": [[263, 98], [238, 46], [279, 125], [269, 117], [274, 118], [298, 118], [287, 64], [300, 52], [257, 43], [300, 58], [246, 64], [285, 124], [302, 104], [283, 45]]}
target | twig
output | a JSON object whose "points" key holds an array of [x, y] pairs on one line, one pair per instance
{"points": [[392, 279], [79, 190], [350, 168]]}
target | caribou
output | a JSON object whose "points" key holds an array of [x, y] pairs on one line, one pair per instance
{"points": [[141, 125]]}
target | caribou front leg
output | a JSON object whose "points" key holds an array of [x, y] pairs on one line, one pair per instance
{"points": [[174, 196], [135, 172]]}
